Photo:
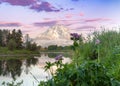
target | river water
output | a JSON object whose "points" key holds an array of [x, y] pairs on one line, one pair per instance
{"points": [[28, 69]]}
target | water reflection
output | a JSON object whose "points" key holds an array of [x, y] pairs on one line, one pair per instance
{"points": [[52, 55], [13, 67], [25, 67]]}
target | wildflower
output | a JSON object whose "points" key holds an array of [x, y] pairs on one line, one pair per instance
{"points": [[59, 57], [97, 41], [75, 36]]}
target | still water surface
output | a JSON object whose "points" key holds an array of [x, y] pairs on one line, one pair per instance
{"points": [[29, 69]]}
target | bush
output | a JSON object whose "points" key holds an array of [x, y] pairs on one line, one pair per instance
{"points": [[31, 46], [89, 72], [11, 44]]}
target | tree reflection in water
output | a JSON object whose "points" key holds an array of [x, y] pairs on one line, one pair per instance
{"points": [[13, 67]]}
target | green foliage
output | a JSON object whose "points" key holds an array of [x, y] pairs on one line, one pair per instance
{"points": [[109, 39], [12, 83], [94, 64], [17, 37], [0, 37], [3, 37], [6, 36], [58, 48], [11, 44], [52, 47], [31, 46], [87, 74], [13, 41]]}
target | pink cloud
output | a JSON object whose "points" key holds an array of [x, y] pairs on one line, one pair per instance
{"points": [[69, 15], [97, 19], [10, 24], [81, 14], [54, 22], [47, 19], [86, 27], [47, 23]]}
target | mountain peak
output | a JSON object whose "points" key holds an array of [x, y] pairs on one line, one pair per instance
{"points": [[55, 35], [56, 32]]}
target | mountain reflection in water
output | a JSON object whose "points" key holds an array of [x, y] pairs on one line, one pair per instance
{"points": [[25, 68]]}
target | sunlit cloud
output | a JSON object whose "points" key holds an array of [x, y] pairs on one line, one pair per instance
{"points": [[44, 6], [10, 24], [48, 23], [97, 20], [81, 14], [69, 15], [37, 5], [85, 28], [46, 19]]}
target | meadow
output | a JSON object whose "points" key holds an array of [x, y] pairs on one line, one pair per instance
{"points": [[96, 62]]}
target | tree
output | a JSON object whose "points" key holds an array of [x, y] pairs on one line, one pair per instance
{"points": [[3, 37], [0, 37], [52, 47], [11, 44], [28, 45], [31, 46], [18, 39]]}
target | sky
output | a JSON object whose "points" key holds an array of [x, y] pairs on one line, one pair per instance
{"points": [[36, 16]]}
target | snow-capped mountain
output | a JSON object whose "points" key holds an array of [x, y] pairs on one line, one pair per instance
{"points": [[55, 35], [55, 32]]}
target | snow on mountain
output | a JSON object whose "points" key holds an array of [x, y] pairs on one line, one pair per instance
{"points": [[56, 32], [55, 35]]}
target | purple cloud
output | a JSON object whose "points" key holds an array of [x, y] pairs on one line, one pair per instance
{"points": [[20, 2], [44, 6], [69, 9], [48, 23], [37, 5], [54, 22], [85, 28], [97, 19], [10, 24]]}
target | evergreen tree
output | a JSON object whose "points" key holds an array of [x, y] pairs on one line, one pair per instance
{"points": [[0, 37], [3, 37], [12, 44], [19, 39], [8, 37]]}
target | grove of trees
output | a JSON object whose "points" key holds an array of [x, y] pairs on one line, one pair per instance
{"points": [[13, 40]]}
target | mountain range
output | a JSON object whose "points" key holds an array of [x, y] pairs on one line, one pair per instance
{"points": [[55, 35]]}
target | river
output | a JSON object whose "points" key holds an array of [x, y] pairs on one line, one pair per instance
{"points": [[30, 69]]}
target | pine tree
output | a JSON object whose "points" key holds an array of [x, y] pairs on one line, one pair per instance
{"points": [[19, 39], [0, 37]]}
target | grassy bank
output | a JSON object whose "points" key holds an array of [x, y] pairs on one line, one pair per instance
{"points": [[96, 62], [6, 51]]}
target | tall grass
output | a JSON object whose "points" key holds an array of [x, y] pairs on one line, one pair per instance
{"points": [[93, 64], [109, 50]]}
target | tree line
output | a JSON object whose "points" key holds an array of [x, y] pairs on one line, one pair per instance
{"points": [[55, 47], [13, 40]]}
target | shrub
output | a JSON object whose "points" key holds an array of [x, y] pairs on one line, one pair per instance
{"points": [[89, 72], [11, 44]]}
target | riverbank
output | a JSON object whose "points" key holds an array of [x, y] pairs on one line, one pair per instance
{"points": [[6, 51]]}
